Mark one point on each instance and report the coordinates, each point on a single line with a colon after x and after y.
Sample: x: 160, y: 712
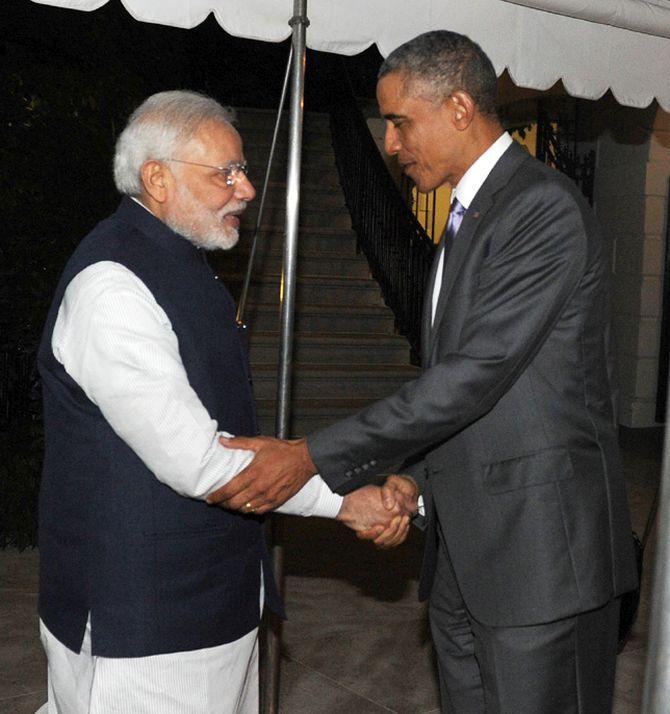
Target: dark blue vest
x: 158, y: 572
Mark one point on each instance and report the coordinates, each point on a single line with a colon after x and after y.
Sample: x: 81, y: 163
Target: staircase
x: 346, y: 353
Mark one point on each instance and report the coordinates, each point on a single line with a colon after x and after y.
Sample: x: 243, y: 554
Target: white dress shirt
x: 465, y: 191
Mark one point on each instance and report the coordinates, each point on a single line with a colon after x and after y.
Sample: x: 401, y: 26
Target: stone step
x: 328, y: 348
x: 366, y: 319
x: 257, y: 133
x: 257, y: 148
x: 334, y: 381
x: 307, y: 414
x: 264, y: 120
x: 323, y: 175
x: 318, y: 160
x: 312, y: 172
x: 275, y: 214
x: 231, y: 266
x: 314, y: 128
x: 317, y: 197
x: 269, y: 260
x: 314, y: 239
x: 315, y: 290
x: 257, y: 156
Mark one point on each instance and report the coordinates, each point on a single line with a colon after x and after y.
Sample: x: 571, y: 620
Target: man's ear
x: 156, y: 179
x: 463, y: 108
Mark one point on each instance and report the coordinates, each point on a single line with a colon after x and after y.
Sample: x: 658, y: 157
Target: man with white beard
x: 150, y: 598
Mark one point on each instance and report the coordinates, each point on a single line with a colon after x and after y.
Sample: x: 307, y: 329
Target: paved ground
x: 357, y: 640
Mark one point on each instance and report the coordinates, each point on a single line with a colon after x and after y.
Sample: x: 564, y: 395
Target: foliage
x: 56, y: 139
x: 58, y: 121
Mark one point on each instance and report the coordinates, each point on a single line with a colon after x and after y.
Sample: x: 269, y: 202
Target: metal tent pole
x: 657, y: 675
x: 299, y: 23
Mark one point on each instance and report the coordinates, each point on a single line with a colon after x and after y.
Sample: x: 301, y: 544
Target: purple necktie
x: 456, y: 213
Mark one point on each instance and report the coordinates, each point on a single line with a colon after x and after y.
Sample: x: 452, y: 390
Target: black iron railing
x: 558, y: 146
x: 398, y: 249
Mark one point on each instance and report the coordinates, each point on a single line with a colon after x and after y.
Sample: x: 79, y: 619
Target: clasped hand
x: 383, y: 514
x: 281, y: 468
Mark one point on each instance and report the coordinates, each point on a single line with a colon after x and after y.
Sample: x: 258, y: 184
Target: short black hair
x: 444, y: 61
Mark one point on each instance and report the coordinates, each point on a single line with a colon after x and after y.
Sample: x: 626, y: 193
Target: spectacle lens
x: 232, y: 173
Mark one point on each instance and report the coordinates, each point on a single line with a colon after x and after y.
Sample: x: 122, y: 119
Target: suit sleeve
x: 536, y: 260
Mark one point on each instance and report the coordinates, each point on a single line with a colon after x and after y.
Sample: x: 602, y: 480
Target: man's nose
x: 391, y: 142
x: 244, y: 189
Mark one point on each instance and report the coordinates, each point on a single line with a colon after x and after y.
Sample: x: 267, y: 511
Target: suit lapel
x: 457, y: 254
x: 428, y: 302
x: 482, y: 203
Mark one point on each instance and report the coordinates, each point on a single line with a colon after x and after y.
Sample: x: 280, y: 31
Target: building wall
x: 631, y: 185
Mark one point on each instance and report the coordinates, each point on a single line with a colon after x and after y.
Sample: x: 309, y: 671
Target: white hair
x: 161, y: 124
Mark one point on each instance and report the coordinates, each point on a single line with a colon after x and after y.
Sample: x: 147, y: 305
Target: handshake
x: 281, y: 468
x: 381, y: 514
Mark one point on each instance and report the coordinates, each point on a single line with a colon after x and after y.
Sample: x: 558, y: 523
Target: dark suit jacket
x: 513, y: 411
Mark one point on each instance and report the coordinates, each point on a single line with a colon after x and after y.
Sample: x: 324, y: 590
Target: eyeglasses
x: 232, y: 172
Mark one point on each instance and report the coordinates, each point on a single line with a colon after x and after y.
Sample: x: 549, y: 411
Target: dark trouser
x: 562, y: 667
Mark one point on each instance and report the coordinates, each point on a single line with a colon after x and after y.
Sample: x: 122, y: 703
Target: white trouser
x: 215, y: 680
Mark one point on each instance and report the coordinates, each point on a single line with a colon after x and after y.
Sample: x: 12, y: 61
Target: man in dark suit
x: 511, y: 423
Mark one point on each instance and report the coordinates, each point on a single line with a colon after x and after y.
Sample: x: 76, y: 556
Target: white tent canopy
x: 624, y: 46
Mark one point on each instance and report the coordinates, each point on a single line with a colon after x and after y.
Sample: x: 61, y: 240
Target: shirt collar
x: 472, y: 180
x: 139, y: 203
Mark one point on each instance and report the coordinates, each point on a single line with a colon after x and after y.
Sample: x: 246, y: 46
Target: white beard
x: 202, y: 226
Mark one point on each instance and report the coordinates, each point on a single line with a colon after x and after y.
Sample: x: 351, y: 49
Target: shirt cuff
x: 329, y: 504
x: 421, y: 507
x: 314, y: 499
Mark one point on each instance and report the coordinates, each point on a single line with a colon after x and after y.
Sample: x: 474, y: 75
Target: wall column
x: 631, y: 184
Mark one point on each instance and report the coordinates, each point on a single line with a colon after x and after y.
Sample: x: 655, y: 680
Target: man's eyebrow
x: 391, y: 115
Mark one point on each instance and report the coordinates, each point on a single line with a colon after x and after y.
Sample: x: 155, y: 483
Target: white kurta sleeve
x: 117, y: 344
